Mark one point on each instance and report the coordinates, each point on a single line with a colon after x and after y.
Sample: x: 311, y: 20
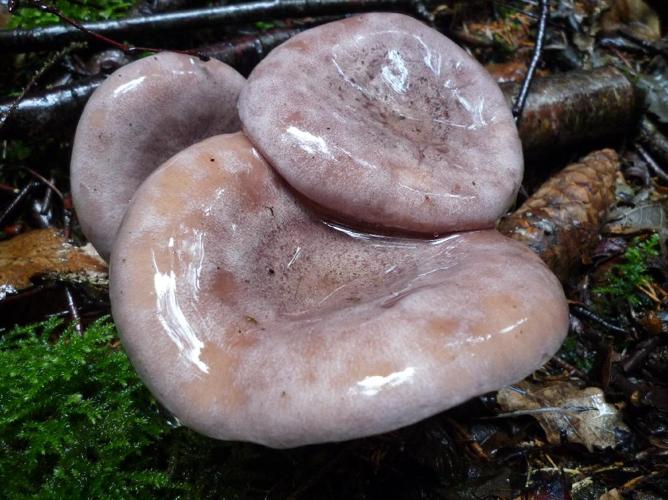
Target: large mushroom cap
x: 380, y: 119
x: 252, y: 319
x: 140, y: 116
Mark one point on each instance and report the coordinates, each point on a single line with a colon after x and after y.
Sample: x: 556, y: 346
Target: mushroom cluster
x: 302, y: 281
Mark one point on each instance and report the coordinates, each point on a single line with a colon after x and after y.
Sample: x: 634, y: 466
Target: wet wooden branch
x: 576, y: 107
x: 562, y: 219
x: 57, y: 36
x: 651, y: 137
x: 55, y: 111
x: 561, y: 110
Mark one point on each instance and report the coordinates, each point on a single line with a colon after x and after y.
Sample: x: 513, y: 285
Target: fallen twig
x: 562, y: 110
x: 640, y: 353
x: 44, y: 7
x: 583, y: 312
x: 48, y: 64
x: 50, y: 37
x: 654, y: 166
x: 52, y: 111
x: 16, y: 202
x: 74, y: 312
x: 56, y: 111
x: 518, y: 106
x: 653, y: 139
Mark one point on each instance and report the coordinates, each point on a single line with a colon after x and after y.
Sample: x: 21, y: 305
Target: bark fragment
x: 575, y: 108
x: 561, y: 220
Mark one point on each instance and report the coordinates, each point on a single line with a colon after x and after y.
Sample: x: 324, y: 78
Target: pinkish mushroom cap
x: 251, y: 318
x: 378, y: 118
x: 140, y: 116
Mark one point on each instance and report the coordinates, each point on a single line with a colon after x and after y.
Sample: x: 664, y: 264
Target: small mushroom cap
x: 381, y: 120
x: 252, y: 319
x: 140, y: 116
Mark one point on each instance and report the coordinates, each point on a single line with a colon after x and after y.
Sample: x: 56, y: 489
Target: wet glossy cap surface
x: 379, y: 119
x: 250, y: 318
x: 140, y: 116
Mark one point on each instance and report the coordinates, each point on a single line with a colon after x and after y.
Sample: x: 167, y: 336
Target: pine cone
x: 562, y: 219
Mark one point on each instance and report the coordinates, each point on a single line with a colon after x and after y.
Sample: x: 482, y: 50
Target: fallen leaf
x: 563, y: 409
x: 646, y: 216
x: 46, y: 252
x: 613, y: 494
x: 633, y: 16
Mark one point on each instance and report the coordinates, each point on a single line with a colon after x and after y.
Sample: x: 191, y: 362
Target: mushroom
x: 381, y: 120
x: 252, y: 318
x: 140, y: 116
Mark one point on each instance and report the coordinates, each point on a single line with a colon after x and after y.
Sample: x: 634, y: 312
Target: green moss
x: 16, y: 151
x: 81, y: 10
x: 574, y: 353
x: 263, y: 25
x: 622, y: 281
x: 75, y: 421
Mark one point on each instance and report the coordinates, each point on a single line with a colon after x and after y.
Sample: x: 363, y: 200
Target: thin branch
x: 648, y: 46
x: 521, y: 100
x: 47, y: 111
x: 583, y: 312
x: 653, y: 165
x: 58, y: 35
x: 642, y: 350
x: 46, y: 182
x: 16, y: 202
x: 74, y: 312
x: 57, y: 109
x: 52, y: 59
x: 563, y: 110
x: 40, y: 5
x: 653, y: 139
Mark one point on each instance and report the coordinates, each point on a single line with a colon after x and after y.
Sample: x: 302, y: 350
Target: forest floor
x: 75, y: 421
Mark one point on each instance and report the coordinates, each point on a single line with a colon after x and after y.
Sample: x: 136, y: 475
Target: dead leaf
x: 46, y: 252
x: 613, y: 494
x: 562, y: 409
x: 646, y: 216
x: 633, y: 16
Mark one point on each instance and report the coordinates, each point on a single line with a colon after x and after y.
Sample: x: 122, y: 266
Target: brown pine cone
x: 562, y: 219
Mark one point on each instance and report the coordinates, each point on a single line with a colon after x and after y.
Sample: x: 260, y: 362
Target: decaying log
x: 576, y: 107
x: 562, y: 110
x: 50, y: 37
x: 562, y: 219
